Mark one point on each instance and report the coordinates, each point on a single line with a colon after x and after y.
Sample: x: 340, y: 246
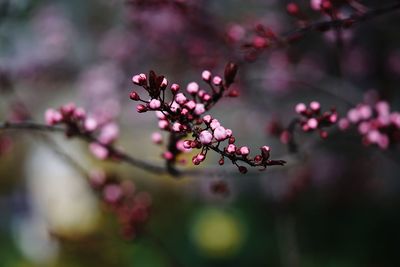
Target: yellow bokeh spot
x: 217, y: 233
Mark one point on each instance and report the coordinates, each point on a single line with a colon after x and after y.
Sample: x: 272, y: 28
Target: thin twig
x: 339, y: 23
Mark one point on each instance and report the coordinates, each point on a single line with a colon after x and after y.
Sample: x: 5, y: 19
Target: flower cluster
x: 311, y: 120
x: 77, y: 122
x: 131, y: 208
x: 184, y: 116
x: 376, y: 123
x: 341, y: 14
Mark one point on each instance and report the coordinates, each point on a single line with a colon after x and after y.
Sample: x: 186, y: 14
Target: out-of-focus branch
x: 32, y: 126
x: 342, y: 23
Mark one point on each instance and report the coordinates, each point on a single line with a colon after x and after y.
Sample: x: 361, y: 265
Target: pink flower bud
x: 163, y: 124
x: 312, y: 123
x: 192, y: 88
x: 168, y: 155
x: 90, y: 124
x: 300, y: 108
x: 199, y: 109
x: 244, y: 150
x: 134, y: 96
x: 180, y: 145
x: 155, y: 104
x: 187, y: 144
x: 207, y: 119
x: 197, y: 159
x: 316, y: 4
x: 382, y: 107
x: 112, y: 193
x: 98, y: 150
x: 79, y: 113
x: 184, y: 112
x: 228, y: 132
x: 214, y: 124
x: 315, y: 106
x: 164, y: 83
x: 177, y: 127
x: 220, y: 133
x: 174, y: 106
x: 67, y: 109
x: 141, y: 108
x: 364, y: 127
x: 160, y: 115
x: 52, y: 116
x: 190, y: 104
x: 265, y: 152
x: 383, y: 141
x: 180, y: 98
x: 217, y: 80
x: 175, y: 88
x: 206, y: 75
x: 365, y: 112
x: 205, y: 137
x: 139, y: 79
x: 156, y: 137
x: 201, y: 93
x: 108, y: 133
x: 395, y: 119
x: 135, y: 79
x: 344, y: 124
x: 231, y: 149
x: 333, y: 117
x: 353, y: 115
x: 206, y: 97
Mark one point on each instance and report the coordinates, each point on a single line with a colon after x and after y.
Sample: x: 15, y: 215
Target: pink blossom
x: 112, y: 193
x: 312, y: 123
x: 180, y: 145
x: 163, y: 124
x: 175, y: 88
x: 231, y: 148
x: 52, y: 116
x: 156, y: 137
x: 315, y: 106
x: 217, y: 80
x: 190, y: 104
x: 199, y: 109
x: 192, y: 88
x: 207, y: 119
x: 177, y: 127
x: 300, y: 108
x: 316, y: 4
x: 108, y: 133
x: 220, y: 133
x: 205, y: 137
x: 160, y: 115
x: 344, y: 124
x: 98, y: 150
x: 214, y: 124
x: 206, y: 75
x: 90, y: 124
x: 244, y: 150
x: 180, y: 98
x: 155, y: 104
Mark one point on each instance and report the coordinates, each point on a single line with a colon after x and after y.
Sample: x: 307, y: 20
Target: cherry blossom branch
x: 346, y: 22
x: 266, y: 38
x: 117, y: 154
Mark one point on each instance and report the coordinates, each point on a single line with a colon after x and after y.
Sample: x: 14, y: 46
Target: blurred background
x: 335, y: 204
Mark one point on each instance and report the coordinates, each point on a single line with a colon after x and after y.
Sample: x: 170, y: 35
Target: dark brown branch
x: 342, y: 23
x: 88, y: 138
